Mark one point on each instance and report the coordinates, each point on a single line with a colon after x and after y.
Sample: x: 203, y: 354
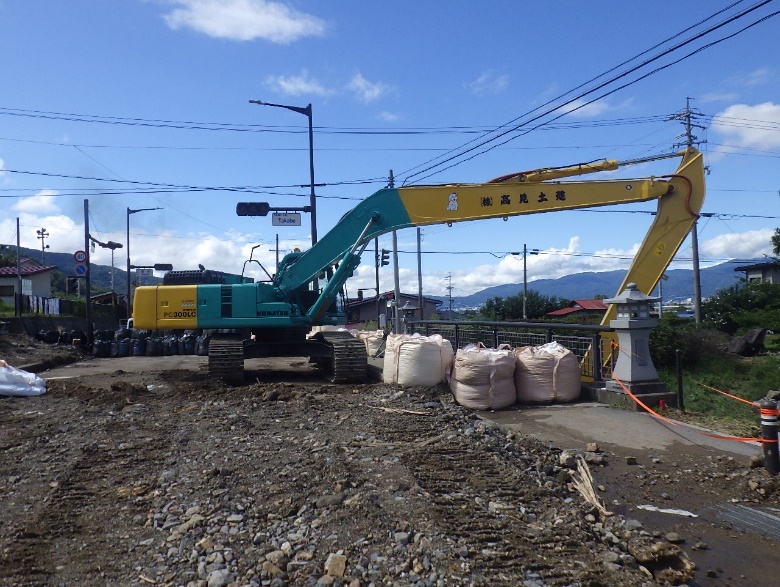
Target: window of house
x: 6, y: 291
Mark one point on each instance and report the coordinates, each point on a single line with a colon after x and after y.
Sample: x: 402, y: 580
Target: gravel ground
x: 168, y: 478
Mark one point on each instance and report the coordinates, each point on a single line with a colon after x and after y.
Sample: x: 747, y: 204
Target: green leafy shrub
x: 673, y: 333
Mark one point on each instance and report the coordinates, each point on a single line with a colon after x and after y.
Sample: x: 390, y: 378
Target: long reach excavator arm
x: 277, y: 315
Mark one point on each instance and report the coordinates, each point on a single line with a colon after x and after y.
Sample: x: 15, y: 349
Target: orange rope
x: 741, y: 399
x: 673, y: 423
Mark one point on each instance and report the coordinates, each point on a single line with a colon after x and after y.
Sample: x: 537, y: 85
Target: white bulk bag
x: 547, y: 374
x: 373, y: 341
x: 16, y: 382
x: 482, y: 378
x: 414, y: 360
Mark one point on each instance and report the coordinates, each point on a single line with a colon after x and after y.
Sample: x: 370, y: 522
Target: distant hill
x: 588, y: 285
x: 100, y: 276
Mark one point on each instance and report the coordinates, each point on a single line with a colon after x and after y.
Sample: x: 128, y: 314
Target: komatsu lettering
x: 273, y: 312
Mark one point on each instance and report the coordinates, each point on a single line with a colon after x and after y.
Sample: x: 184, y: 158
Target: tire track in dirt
x: 97, y: 482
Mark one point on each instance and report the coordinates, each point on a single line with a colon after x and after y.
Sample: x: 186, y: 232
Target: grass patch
x: 749, y: 378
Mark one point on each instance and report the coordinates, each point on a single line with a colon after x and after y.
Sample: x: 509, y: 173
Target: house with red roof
x: 35, y: 280
x: 581, y: 308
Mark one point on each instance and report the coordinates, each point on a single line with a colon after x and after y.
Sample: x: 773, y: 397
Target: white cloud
x: 297, y: 85
x: 366, y: 91
x: 749, y: 126
x: 754, y: 78
x: 489, y: 82
x: 44, y: 202
x: 389, y: 116
x: 579, y: 108
x: 744, y: 245
x: 244, y: 20
x: 717, y: 97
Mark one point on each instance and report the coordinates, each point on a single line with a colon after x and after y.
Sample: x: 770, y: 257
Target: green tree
x: 776, y: 242
x: 511, y: 308
x: 741, y: 307
x: 7, y: 260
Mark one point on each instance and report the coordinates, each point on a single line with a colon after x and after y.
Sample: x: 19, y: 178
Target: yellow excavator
x: 275, y: 317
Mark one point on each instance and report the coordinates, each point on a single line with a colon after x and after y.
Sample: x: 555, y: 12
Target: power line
x: 461, y: 152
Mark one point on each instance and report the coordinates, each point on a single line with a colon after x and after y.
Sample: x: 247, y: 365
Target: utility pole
x: 525, y: 281
x: 87, y: 278
x: 449, y: 294
x: 686, y: 116
x: 43, y: 235
x: 419, y: 275
x: 18, y: 297
x: 396, y: 282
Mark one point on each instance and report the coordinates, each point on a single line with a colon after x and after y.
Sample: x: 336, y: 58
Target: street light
x: 312, y: 198
x: 113, y: 246
x: 43, y: 235
x: 129, y: 299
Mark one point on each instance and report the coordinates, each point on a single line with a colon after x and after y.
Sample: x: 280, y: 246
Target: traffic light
x: 252, y: 208
x: 385, y: 257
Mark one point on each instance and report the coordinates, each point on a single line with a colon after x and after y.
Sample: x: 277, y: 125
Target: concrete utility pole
x: 18, y: 297
x: 42, y: 236
x: 396, y: 282
x: 686, y: 116
x: 420, y: 300
x: 449, y: 294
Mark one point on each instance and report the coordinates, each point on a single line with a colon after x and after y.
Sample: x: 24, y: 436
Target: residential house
x: 36, y: 280
x: 368, y: 309
x: 768, y: 272
x: 585, y: 310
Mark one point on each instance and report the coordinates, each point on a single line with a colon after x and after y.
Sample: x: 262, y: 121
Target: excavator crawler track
x: 350, y: 361
x: 226, y: 359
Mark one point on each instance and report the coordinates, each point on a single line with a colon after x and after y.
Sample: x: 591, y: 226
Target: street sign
x: 286, y: 219
x: 145, y: 272
x: 80, y: 256
x: 80, y: 269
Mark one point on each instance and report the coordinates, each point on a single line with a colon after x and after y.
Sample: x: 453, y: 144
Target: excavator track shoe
x: 226, y: 359
x: 350, y: 360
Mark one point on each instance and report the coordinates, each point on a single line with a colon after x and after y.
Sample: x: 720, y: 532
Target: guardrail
x: 584, y: 340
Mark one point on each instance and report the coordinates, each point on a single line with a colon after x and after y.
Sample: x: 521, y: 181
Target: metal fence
x: 43, y: 306
x: 584, y: 340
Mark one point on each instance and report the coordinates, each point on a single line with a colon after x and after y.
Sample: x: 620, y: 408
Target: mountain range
x: 586, y: 286
x: 577, y: 286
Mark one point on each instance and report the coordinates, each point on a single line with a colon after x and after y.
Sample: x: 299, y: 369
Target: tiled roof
x: 25, y: 270
x: 579, y: 306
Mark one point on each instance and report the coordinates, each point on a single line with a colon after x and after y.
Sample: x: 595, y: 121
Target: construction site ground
x: 142, y: 471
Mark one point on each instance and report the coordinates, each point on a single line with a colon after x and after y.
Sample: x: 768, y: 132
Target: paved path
x: 574, y: 425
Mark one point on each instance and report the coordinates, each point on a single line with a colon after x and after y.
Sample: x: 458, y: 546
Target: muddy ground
x: 163, y: 477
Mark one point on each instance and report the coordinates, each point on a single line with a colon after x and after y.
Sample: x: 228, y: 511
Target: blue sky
x: 127, y: 103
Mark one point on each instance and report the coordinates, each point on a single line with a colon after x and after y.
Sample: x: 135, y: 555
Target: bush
x: 739, y: 308
x: 673, y: 333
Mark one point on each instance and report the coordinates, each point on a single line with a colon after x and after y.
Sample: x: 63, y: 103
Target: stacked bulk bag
x: 482, y: 378
x: 546, y: 374
x: 414, y: 360
x: 373, y: 340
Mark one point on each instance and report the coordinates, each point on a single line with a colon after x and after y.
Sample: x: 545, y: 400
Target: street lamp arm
x: 300, y: 110
x: 129, y: 211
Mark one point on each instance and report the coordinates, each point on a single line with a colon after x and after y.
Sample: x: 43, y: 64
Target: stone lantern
x: 634, y: 366
x: 409, y: 310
